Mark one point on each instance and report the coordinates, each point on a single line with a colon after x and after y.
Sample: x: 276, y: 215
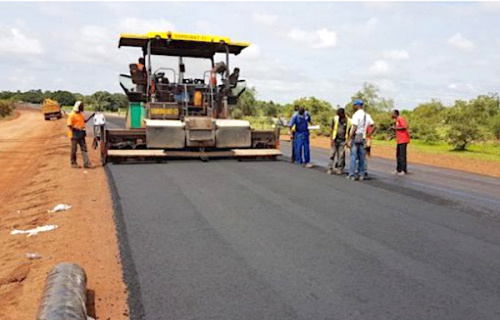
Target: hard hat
x: 358, y: 102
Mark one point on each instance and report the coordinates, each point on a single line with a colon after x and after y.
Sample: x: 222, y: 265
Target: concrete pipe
x: 65, y: 294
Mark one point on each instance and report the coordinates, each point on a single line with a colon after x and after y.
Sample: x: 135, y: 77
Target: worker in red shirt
x: 402, y: 140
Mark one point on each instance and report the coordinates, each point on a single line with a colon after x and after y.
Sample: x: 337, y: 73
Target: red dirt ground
x: 35, y: 175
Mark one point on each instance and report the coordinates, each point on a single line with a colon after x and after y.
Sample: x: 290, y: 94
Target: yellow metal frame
x: 184, y: 37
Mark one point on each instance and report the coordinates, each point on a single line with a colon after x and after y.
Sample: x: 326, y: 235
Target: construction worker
x: 356, y: 142
x: 370, y: 130
x: 76, y: 125
x: 233, y: 78
x: 141, y: 65
x: 340, y: 127
x: 402, y: 140
x: 301, y: 121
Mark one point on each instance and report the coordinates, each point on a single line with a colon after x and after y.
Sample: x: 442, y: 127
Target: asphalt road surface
x: 271, y: 240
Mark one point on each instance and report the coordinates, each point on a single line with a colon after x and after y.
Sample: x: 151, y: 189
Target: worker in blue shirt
x: 301, y: 121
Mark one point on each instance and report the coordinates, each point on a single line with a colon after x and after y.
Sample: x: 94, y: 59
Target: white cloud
x: 452, y: 86
x: 371, y: 23
x: 204, y: 26
x: 319, y: 39
x: 460, y: 42
x: 397, y: 55
x: 92, y: 45
x: 253, y: 52
x: 265, y: 18
x: 135, y: 25
x: 54, y: 9
x: 14, y: 41
x: 379, y: 67
x: 327, y: 39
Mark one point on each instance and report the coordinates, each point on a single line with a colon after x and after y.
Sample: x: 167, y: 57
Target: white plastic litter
x: 35, y: 231
x: 60, y: 207
x: 33, y: 255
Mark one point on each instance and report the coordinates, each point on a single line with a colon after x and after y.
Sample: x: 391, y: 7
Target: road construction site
x: 229, y: 239
x: 233, y: 230
x: 272, y: 240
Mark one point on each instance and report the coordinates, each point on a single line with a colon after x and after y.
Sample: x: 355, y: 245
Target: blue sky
x: 412, y: 51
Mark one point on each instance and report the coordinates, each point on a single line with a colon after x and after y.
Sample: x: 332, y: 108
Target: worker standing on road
x: 356, y: 142
x: 341, y: 124
x: 402, y: 140
x: 76, y: 124
x: 301, y: 120
x: 370, y: 130
x: 292, y: 134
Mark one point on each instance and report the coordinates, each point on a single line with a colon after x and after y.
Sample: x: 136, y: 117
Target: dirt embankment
x: 35, y: 175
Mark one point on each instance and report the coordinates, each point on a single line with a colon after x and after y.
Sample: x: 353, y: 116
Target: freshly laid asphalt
x: 271, y: 240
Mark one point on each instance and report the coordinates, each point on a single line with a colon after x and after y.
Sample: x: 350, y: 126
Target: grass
x: 489, y: 150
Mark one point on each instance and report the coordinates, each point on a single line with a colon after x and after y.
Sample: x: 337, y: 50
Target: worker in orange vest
x: 76, y: 125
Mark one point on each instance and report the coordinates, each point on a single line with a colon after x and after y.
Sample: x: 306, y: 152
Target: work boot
x: 75, y: 166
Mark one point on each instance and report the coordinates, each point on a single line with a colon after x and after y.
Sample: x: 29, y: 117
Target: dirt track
x: 35, y: 176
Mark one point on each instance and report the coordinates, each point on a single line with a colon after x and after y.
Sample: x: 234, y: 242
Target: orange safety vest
x: 76, y: 120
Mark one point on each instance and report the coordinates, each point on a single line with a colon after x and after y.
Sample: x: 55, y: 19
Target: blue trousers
x: 301, y: 146
x: 357, y: 159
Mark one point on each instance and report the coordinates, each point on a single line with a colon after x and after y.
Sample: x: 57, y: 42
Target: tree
x: 373, y: 103
x: 321, y: 112
x: 100, y: 100
x: 32, y: 96
x: 463, y: 126
x: 65, y: 98
x: 495, y: 126
x: 118, y: 101
x: 246, y: 105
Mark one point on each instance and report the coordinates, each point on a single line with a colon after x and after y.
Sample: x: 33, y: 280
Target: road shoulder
x: 36, y: 176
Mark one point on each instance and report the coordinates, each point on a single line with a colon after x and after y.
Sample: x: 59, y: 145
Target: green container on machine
x: 135, y: 116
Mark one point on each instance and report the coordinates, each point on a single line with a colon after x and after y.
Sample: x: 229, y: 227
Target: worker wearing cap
x: 356, y: 141
x: 301, y: 120
x: 76, y: 125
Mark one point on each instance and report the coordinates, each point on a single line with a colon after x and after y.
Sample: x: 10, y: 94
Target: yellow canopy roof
x: 182, y: 44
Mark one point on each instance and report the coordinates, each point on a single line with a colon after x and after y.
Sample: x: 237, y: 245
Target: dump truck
x: 171, y: 115
x: 51, y: 109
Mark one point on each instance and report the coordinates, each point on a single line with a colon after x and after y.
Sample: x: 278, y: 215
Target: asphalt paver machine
x: 172, y: 116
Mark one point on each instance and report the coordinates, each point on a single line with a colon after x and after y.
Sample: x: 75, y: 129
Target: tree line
x: 458, y: 124
x: 100, y: 100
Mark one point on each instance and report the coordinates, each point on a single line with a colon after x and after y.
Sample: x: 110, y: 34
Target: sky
x: 413, y: 52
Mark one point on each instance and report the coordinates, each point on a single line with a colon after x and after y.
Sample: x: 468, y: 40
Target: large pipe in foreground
x: 65, y: 294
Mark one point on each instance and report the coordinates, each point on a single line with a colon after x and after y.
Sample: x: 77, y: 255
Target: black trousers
x: 401, y: 157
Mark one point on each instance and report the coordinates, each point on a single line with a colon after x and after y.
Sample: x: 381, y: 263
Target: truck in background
x: 51, y: 109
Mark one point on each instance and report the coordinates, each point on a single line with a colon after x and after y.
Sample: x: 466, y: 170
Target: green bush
x: 495, y: 126
x: 6, y: 107
x: 460, y: 136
